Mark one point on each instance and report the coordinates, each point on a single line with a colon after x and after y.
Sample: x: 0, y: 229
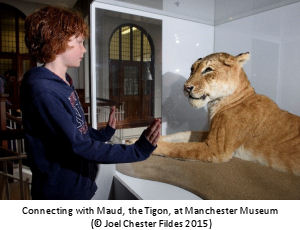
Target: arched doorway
x: 14, y: 56
x: 131, y: 74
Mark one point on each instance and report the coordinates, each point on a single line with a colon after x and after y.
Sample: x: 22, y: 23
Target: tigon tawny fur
x: 243, y: 124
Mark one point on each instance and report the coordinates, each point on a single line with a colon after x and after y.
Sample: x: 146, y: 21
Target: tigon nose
x: 188, y: 88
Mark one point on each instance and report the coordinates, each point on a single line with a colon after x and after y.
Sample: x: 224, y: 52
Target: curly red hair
x: 48, y: 30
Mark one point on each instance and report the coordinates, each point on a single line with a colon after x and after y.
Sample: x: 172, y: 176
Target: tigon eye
x: 208, y: 69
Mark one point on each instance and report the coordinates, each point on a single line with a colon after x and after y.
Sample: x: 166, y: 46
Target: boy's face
x: 74, y: 53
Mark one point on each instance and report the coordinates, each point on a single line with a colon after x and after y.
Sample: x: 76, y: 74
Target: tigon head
x: 214, y: 77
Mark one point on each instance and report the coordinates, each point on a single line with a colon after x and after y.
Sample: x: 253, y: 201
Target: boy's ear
x: 242, y: 58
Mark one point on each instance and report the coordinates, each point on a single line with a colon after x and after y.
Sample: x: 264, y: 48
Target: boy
x: 62, y: 149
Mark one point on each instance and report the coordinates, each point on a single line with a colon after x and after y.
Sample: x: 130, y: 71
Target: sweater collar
x: 57, y: 78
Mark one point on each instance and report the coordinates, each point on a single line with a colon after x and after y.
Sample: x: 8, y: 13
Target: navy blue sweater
x: 63, y: 151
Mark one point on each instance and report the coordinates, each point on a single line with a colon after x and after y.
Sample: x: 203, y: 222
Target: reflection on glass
x: 133, y: 41
x: 125, y: 81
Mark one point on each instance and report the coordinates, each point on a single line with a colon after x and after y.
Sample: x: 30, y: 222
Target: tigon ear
x: 242, y: 58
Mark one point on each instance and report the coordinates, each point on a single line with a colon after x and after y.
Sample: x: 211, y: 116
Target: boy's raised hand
x: 152, y: 133
x: 112, y: 121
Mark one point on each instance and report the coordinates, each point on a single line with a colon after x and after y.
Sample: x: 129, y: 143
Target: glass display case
x: 141, y: 55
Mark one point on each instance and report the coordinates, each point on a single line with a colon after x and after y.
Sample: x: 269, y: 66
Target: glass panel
x: 131, y: 80
x: 125, y: 43
x: 8, y: 34
x: 5, y: 65
x: 115, y: 79
x: 22, y: 47
x: 136, y: 37
x: 128, y: 90
x: 114, y: 46
x: 146, y: 49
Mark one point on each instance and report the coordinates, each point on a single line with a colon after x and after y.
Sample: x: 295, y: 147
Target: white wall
x: 201, y: 11
x: 273, y: 39
x: 228, y: 10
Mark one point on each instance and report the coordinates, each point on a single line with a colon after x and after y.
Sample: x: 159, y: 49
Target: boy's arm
x: 59, y: 122
x: 106, y: 133
x: 103, y: 135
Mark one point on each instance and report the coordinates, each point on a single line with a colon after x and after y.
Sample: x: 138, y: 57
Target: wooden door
x: 131, y: 91
x: 129, y: 86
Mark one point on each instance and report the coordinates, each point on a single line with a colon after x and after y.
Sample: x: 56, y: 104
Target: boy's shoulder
x: 36, y: 73
x: 40, y: 80
x: 41, y: 75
